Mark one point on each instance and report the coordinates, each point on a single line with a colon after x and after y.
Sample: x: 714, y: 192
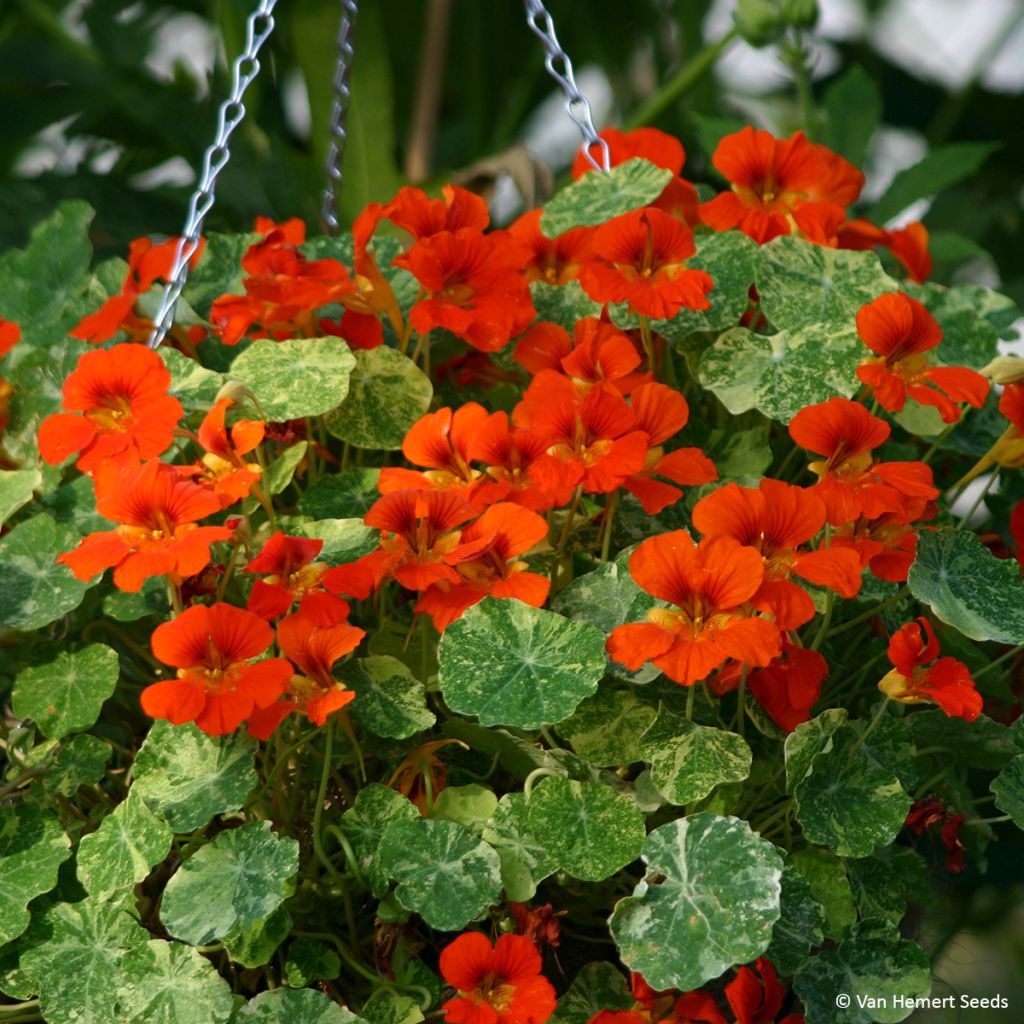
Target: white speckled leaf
x: 801, y: 284
x: 295, y: 378
x: 186, y: 777
x: 1008, y: 787
x: 525, y: 859
x: 66, y: 694
x: 192, y: 384
x: 563, y: 304
x: 806, y: 741
x: 870, y: 966
x: 511, y: 664
x: 780, y: 374
x: 345, y: 540
x: 387, y: 1006
x: 444, y: 873
x: 588, y: 828
x: 365, y: 823
x: 280, y: 472
x: 708, y: 901
x: 606, y: 728
x: 293, y: 1006
x: 130, y: 841
x: 847, y: 801
x: 598, y: 986
x: 801, y: 925
x: 596, y: 198
x: 389, y: 701
x: 387, y: 394
x: 16, y: 487
x: 688, y: 760
x: 32, y: 847
x: 34, y: 589
x: 242, y: 876
x: 826, y: 874
x: 78, y: 966
x: 168, y: 983
x: 967, y: 586
x: 471, y: 806
x: 254, y: 944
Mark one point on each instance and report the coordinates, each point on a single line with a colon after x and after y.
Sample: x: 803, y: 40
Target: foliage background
x: 114, y: 102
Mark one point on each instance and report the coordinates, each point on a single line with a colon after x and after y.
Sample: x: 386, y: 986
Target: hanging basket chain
x: 556, y: 60
x: 259, y: 26
x: 339, y: 113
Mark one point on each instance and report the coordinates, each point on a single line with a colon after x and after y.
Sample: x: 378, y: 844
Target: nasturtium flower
x: 118, y: 410
x: 223, y: 469
x: 499, y: 984
x: 710, y: 586
x: 551, y: 260
x: 473, y: 285
x: 289, y: 574
x: 10, y: 334
x: 755, y: 995
x: 497, y: 570
x: 900, y: 331
x: 778, y: 519
x: 929, y: 811
x: 640, y: 258
x: 780, y: 186
x: 158, y: 533
x: 218, y: 685
x: 913, y: 680
x: 790, y: 686
x: 851, y: 482
x: 414, y: 211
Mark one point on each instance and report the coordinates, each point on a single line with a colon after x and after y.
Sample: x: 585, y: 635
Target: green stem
x: 993, y: 664
x: 648, y: 341
x: 872, y: 726
x: 794, y: 56
x: 992, y: 821
x: 538, y: 773
x: 939, y: 442
x: 965, y: 518
x: 691, y: 693
x: 609, y: 521
x: 321, y: 795
x: 682, y: 81
x: 871, y: 612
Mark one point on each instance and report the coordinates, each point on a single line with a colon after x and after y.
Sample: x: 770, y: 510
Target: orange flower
x: 157, y: 511
x: 947, y: 683
x: 217, y: 685
x: 313, y: 643
x: 127, y: 413
x: 474, y: 287
x: 439, y: 441
x: 413, y: 211
x: 754, y: 999
x: 887, y: 543
x: 222, y: 468
x: 289, y: 573
x: 899, y: 330
x: 661, y: 413
x: 640, y: 258
x: 780, y: 186
x: 10, y: 334
x: 499, y: 984
x: 790, y: 686
x: 590, y: 441
x: 146, y: 263
x: 776, y: 520
x: 552, y: 260
x: 909, y: 245
x: 711, y: 586
x: 510, y: 530
x: 851, y: 482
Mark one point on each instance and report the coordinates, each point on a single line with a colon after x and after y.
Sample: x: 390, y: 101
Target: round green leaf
x: 802, y: 285
x: 168, y: 983
x: 848, y: 801
x: 34, y: 589
x: 80, y: 761
x: 598, y: 986
x: 192, y: 384
x: 344, y: 495
x: 688, y: 760
x: 967, y: 586
x: 596, y: 198
x: 79, y: 963
x: 870, y: 966
x: 187, y: 777
x: 800, y: 926
x: 471, y: 806
x: 365, y: 823
x: 310, y: 961
x: 525, y: 859
x: 294, y: 1006
x: 16, y: 487
x: 66, y: 694
x: 252, y: 945
x: 826, y: 875
x: 295, y: 378
x: 130, y: 841
x: 511, y: 664
x: 808, y: 740
x: 387, y: 394
x: 588, y: 828
x: 444, y: 873
x: 32, y: 847
x: 1008, y: 787
x: 563, y: 304
x: 389, y: 701
x: 606, y: 728
x: 345, y: 540
x: 280, y: 472
x: 708, y: 901
x: 242, y: 876
x: 780, y: 374
x: 386, y: 1006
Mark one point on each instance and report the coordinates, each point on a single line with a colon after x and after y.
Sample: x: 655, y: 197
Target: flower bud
x: 758, y: 21
x: 800, y: 13
x: 1005, y: 369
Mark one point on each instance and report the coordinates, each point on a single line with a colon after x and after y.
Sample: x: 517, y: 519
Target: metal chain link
x: 577, y: 106
x: 215, y: 159
x: 339, y: 114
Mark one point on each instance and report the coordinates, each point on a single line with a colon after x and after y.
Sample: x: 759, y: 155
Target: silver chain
x: 215, y: 159
x: 339, y: 113
x: 577, y: 106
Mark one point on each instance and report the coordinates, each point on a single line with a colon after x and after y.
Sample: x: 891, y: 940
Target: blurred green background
x: 114, y: 103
